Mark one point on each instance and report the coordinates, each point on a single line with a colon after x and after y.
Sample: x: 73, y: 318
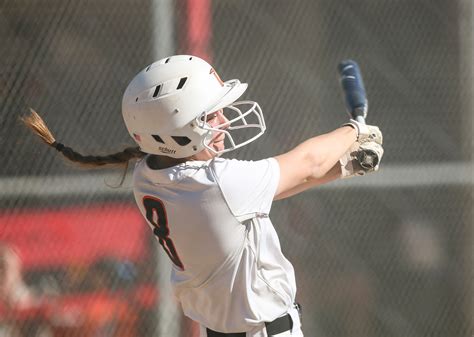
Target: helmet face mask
x: 251, y: 118
x: 166, y: 105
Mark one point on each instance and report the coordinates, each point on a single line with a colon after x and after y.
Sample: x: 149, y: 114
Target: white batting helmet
x: 165, y: 107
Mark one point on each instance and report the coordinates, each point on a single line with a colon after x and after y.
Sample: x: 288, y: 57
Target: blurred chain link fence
x: 383, y: 255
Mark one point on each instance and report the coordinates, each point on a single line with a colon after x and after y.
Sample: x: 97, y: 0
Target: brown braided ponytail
x: 38, y: 126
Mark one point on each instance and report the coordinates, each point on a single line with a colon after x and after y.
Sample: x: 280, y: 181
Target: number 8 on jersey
x: 156, y: 216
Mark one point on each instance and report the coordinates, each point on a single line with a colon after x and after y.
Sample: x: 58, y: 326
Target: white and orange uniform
x: 229, y: 273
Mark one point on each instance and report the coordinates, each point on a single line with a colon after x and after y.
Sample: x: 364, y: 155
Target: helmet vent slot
x: 157, y: 90
x: 158, y: 139
x: 181, y: 83
x: 181, y: 140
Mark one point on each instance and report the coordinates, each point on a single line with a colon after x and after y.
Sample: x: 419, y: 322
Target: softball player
x: 209, y: 214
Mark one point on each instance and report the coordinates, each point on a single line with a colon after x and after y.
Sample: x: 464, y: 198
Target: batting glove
x: 366, y: 133
x: 350, y: 165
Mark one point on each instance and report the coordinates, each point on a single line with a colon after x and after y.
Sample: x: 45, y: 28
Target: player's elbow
x: 315, y: 157
x: 321, y: 160
x: 316, y: 163
x: 301, y: 165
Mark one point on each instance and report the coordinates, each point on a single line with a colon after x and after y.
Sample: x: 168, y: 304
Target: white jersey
x: 212, y: 220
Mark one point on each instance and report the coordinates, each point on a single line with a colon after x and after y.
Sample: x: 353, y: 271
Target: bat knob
x: 368, y: 159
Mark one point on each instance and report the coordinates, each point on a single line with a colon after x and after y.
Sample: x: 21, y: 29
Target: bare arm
x: 333, y: 174
x: 313, y: 162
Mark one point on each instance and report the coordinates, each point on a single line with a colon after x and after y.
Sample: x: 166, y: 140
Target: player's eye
x: 210, y: 117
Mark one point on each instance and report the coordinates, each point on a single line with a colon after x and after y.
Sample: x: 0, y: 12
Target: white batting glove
x: 366, y: 132
x: 350, y: 165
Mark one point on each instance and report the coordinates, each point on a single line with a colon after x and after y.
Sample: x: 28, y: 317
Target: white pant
x: 261, y: 331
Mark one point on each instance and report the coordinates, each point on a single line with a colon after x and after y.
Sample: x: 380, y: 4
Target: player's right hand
x: 366, y: 133
x: 350, y: 165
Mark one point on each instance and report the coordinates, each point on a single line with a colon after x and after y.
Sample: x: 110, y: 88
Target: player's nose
x: 223, y: 120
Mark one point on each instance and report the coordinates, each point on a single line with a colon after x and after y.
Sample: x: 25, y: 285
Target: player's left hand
x: 350, y: 165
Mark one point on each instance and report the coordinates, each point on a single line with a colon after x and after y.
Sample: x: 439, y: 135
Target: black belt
x: 275, y: 327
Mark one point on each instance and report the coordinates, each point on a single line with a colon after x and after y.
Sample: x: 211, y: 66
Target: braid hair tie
x: 58, y: 146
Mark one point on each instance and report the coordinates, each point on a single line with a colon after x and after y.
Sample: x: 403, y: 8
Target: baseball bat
x: 356, y: 104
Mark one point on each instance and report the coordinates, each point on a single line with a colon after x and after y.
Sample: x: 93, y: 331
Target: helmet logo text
x: 166, y: 150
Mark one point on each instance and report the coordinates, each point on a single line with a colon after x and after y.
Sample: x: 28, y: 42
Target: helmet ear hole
x: 181, y: 140
x: 158, y: 139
